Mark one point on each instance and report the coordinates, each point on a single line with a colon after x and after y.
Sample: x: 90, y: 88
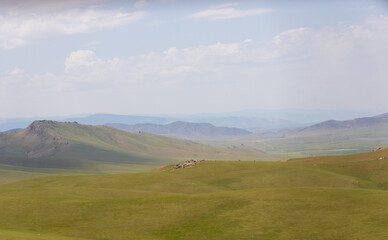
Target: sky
x: 184, y: 57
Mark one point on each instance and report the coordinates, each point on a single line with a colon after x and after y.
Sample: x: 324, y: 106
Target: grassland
x: 314, y: 198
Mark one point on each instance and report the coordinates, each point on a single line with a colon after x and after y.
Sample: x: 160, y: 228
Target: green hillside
x: 67, y: 148
x: 312, y: 199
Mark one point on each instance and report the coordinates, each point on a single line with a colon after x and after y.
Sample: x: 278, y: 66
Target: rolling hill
x: 309, y: 199
x: 59, y: 145
x: 186, y: 130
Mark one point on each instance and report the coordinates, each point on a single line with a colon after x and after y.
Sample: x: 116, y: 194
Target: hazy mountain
x: 249, y: 123
x: 292, y: 116
x: 181, y: 129
x: 14, y: 130
x: 327, y: 127
x: 50, y: 144
x: 100, y: 119
x: 354, y: 123
x: 10, y: 124
x: 250, y: 120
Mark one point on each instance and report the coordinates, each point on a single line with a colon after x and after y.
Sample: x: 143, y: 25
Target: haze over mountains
x: 71, y: 145
x: 184, y: 130
x: 251, y: 120
x: 328, y: 126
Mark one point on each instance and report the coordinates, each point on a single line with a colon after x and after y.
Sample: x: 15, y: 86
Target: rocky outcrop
x: 189, y: 163
x: 42, y: 139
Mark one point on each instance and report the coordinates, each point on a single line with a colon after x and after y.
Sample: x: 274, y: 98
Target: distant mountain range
x: 251, y: 120
x: 328, y: 127
x: 247, y: 123
x: 101, y: 119
x: 182, y: 129
x: 14, y: 130
x: 71, y: 145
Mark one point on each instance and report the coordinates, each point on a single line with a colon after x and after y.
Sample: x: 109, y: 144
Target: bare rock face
x: 189, y: 163
x: 43, y: 139
x: 39, y: 129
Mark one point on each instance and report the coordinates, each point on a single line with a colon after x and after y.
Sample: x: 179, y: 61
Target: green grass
x: 309, y: 199
x: 12, y: 173
x: 8, y: 176
x: 25, y: 235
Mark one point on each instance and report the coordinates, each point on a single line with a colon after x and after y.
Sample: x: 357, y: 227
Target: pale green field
x: 317, y: 143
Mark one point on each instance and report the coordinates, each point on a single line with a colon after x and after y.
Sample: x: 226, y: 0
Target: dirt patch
x: 161, y: 168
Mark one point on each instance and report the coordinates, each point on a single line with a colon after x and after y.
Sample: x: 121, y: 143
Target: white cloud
x: 81, y: 59
x: 15, y: 72
x: 338, y: 67
x: 20, y: 29
x: 226, y: 11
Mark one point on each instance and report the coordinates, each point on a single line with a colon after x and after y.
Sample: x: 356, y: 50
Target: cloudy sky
x: 177, y: 57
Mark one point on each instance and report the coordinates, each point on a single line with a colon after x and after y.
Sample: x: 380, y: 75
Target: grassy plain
x: 314, y: 198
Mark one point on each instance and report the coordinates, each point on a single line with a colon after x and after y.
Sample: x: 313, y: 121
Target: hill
x: 212, y: 200
x: 49, y: 144
x: 186, y: 130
